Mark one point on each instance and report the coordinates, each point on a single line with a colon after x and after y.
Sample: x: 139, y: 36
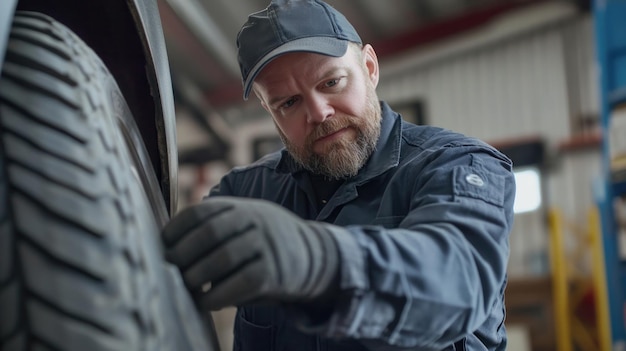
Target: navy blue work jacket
x: 425, y: 266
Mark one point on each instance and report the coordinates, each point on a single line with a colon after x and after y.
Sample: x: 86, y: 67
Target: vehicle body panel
x: 7, y: 8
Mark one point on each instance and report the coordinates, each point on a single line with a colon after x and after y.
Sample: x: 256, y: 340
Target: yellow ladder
x: 570, y: 284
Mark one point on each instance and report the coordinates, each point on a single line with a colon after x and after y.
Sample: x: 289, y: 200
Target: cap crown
x: 284, y: 26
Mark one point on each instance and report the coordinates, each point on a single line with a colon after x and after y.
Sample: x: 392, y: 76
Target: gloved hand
x: 250, y: 250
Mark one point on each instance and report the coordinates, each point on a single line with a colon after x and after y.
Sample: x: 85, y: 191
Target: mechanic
x: 365, y: 232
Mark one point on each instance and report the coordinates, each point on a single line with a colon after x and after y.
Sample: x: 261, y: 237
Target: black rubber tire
x: 80, y: 261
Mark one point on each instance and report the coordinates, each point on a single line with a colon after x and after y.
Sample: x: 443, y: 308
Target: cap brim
x: 320, y: 45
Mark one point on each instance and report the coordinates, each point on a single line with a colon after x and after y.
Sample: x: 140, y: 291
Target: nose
x: 318, y: 109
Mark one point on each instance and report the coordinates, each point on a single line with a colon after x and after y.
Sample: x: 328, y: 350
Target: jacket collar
x: 385, y: 156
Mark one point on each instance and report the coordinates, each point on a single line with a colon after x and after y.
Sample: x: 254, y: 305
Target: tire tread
x: 75, y: 233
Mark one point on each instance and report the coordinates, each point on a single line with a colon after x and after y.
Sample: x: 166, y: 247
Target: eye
x: 288, y: 103
x: 331, y: 83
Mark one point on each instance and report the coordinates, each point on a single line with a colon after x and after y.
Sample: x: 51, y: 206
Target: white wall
x: 504, y: 81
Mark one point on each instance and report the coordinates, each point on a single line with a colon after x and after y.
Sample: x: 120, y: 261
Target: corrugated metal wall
x: 506, y: 90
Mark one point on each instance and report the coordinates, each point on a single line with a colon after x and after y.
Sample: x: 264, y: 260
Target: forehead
x: 302, y: 64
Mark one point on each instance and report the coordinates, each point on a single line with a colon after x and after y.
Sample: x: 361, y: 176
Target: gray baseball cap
x: 291, y: 26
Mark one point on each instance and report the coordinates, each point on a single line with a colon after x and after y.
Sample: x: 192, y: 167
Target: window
x: 528, y: 193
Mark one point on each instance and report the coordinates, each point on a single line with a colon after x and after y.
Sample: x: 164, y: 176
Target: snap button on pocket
x: 476, y: 184
x: 475, y: 179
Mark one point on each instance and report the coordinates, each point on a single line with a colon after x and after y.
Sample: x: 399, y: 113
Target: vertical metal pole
x: 599, y: 282
x: 560, y: 290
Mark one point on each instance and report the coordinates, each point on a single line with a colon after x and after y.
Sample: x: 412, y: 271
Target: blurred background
x: 523, y: 75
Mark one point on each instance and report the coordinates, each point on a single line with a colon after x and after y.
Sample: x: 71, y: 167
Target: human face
x: 325, y: 108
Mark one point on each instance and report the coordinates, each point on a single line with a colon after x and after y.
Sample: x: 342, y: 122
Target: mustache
x: 328, y: 127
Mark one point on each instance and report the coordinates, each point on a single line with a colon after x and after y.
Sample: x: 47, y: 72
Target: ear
x: 370, y: 61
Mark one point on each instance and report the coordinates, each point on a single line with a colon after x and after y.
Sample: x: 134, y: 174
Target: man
x: 366, y: 232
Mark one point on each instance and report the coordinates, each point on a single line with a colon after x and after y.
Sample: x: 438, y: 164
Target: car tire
x: 81, y: 264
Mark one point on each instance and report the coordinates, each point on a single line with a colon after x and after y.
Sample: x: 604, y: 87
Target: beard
x: 343, y: 158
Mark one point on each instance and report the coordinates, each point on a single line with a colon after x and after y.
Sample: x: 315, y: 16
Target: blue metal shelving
x: 610, y: 35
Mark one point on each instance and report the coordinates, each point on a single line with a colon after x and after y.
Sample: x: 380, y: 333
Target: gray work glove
x: 250, y: 250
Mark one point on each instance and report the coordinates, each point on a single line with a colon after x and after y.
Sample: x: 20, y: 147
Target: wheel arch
x: 128, y: 37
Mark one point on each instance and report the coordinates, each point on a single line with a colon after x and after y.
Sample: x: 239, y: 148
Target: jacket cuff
x: 344, y: 305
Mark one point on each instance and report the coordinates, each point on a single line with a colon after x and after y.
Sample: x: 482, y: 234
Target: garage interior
x: 527, y: 76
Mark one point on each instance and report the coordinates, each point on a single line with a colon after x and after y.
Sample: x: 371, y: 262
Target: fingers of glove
x: 211, y: 231
x: 189, y: 219
x: 247, y: 284
x: 230, y: 255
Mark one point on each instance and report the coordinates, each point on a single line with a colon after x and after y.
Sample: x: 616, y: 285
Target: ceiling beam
x: 444, y: 29
x: 207, y: 32
x: 182, y: 40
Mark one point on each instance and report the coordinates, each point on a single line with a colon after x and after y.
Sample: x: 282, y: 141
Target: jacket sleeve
x: 436, y: 277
